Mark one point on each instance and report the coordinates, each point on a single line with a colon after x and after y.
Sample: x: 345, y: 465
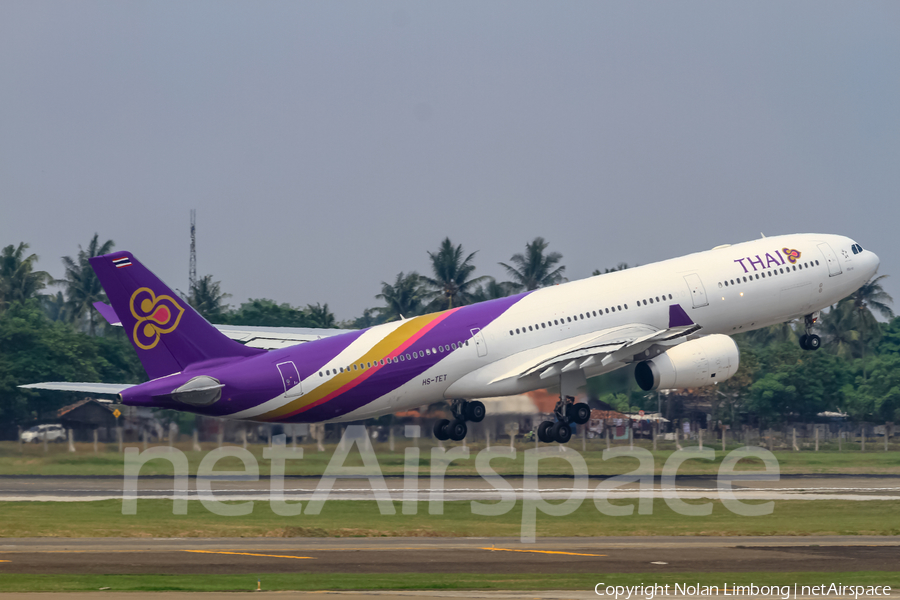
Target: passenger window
x: 657, y: 298
x: 607, y: 311
x: 670, y: 296
x: 595, y: 313
x: 726, y: 285
x: 517, y: 330
x: 543, y: 325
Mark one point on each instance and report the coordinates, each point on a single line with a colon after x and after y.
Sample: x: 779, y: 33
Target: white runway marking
x: 482, y: 494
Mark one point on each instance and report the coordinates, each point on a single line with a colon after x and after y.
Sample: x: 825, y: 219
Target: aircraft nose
x: 875, y: 262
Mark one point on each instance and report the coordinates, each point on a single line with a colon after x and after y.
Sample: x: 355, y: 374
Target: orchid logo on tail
x: 155, y: 315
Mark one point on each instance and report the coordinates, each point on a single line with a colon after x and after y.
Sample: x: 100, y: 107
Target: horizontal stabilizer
x: 108, y: 313
x: 77, y: 386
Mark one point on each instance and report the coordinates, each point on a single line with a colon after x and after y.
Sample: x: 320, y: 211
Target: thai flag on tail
x: 122, y: 262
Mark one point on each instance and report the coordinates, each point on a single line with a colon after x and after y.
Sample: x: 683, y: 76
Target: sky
x: 327, y: 146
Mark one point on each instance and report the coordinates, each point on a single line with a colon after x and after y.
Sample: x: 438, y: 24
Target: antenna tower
x: 192, y: 272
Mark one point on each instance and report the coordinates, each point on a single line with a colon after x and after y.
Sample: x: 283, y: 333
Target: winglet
x: 677, y: 316
x: 108, y: 313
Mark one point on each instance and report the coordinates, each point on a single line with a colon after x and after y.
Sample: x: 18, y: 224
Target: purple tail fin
x: 166, y: 332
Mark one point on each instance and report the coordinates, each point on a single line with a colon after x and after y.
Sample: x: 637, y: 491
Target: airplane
x: 673, y: 318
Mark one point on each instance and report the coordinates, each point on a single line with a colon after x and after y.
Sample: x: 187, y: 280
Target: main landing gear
x: 809, y: 340
x: 567, y: 412
x: 463, y: 410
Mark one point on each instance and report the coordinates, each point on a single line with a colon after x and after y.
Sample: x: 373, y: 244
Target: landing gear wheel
x: 580, y: 413
x: 457, y: 430
x: 803, y: 339
x: 440, y: 430
x: 813, y: 342
x: 475, y: 411
x: 543, y: 432
x: 562, y: 432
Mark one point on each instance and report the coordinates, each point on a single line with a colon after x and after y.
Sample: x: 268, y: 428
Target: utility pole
x: 192, y: 270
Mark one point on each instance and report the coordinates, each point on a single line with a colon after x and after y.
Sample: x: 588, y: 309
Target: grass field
x: 418, y: 581
x: 32, y: 460
x: 154, y: 518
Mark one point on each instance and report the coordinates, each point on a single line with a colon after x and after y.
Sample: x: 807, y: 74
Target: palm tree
x: 773, y: 334
x: 319, y: 316
x: 207, y: 299
x: 55, y: 306
x: 618, y: 267
x: 451, y: 284
x: 838, y: 326
x: 493, y: 289
x: 868, y: 298
x: 534, y: 269
x: 403, y: 298
x: 81, y: 283
x: 18, y: 279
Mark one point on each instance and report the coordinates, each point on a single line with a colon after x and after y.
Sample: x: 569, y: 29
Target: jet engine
x: 700, y: 362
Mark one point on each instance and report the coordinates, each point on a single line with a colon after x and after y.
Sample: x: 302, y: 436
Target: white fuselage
x: 726, y: 290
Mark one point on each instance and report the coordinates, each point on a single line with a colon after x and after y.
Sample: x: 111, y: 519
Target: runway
x: 469, y: 555
x: 787, y: 487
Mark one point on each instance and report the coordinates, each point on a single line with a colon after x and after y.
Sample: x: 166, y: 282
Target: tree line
x: 47, y: 336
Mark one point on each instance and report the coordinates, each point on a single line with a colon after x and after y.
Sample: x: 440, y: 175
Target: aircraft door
x: 698, y: 292
x: 291, y: 379
x: 478, y: 338
x: 834, y: 267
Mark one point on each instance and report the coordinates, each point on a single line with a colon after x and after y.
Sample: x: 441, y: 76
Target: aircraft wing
x: 609, y: 346
x: 267, y: 338
x: 75, y: 386
x: 272, y: 338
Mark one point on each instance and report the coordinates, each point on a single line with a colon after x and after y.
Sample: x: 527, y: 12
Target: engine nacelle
x: 700, y: 362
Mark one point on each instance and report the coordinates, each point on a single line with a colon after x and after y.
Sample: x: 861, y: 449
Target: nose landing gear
x: 809, y: 340
x: 463, y: 410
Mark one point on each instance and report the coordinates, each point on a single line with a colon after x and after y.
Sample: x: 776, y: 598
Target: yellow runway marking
x: 247, y: 554
x: 540, y: 552
x: 5, y: 561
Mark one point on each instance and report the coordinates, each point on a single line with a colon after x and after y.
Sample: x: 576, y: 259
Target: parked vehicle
x: 39, y: 433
